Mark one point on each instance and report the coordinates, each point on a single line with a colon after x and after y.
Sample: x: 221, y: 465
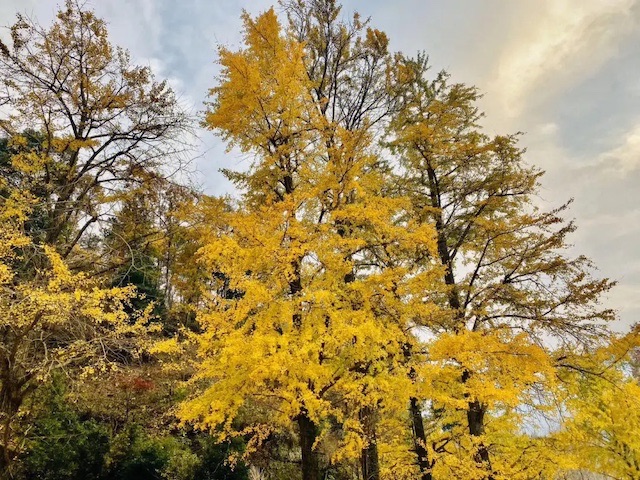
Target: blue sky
x: 565, y: 72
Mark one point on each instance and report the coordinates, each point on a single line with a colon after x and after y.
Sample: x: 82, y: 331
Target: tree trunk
x: 420, y: 441
x: 475, y: 420
x: 308, y: 435
x: 6, y: 454
x: 10, y: 400
x: 308, y: 429
x: 369, y: 460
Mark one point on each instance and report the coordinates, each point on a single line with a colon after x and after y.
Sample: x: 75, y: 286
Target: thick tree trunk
x: 307, y: 428
x: 308, y: 434
x: 420, y: 441
x: 10, y: 400
x: 5, y: 453
x: 475, y: 421
x: 369, y: 460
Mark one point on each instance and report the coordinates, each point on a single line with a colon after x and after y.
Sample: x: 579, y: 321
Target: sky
x: 566, y: 73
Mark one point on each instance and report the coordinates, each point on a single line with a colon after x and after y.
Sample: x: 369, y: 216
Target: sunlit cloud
x: 626, y: 156
x: 564, y: 41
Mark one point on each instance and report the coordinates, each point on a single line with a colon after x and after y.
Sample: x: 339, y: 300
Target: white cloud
x: 626, y: 156
x: 549, y: 128
x: 135, y: 25
x: 565, y: 41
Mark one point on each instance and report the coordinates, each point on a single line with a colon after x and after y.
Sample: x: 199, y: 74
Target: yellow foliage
x: 53, y: 318
x: 505, y: 367
x: 600, y: 433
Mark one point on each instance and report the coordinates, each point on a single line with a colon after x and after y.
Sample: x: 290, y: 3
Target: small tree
x: 53, y: 320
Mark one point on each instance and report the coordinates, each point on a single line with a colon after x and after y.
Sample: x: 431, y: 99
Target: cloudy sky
x: 565, y: 72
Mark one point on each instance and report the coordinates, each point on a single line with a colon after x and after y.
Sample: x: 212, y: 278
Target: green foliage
x: 64, y: 444
x: 61, y: 446
x: 132, y: 247
x: 214, y: 463
x: 135, y: 455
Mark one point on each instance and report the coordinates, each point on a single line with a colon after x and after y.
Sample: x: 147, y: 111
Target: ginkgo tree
x: 353, y: 81
x: 317, y: 284
x: 513, y: 291
x: 354, y: 86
